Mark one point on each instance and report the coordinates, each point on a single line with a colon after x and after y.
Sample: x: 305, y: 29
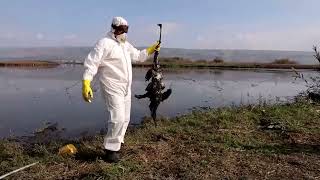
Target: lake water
x: 32, y: 97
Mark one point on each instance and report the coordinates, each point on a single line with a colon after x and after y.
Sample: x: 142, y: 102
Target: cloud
x: 167, y: 28
x: 7, y: 36
x: 10, y: 35
x: 282, y: 39
x: 258, y: 38
x: 143, y: 34
x: 180, y: 35
x: 199, y: 38
x: 40, y: 36
x: 171, y: 27
x: 70, y: 36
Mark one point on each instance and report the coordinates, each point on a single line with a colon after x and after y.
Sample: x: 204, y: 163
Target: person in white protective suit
x: 111, y: 58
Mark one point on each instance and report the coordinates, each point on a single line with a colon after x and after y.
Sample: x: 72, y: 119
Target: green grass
x: 205, y: 144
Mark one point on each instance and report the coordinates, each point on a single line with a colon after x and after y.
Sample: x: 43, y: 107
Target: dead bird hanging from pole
x: 156, y: 86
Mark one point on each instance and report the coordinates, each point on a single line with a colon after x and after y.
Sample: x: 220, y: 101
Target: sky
x: 193, y: 24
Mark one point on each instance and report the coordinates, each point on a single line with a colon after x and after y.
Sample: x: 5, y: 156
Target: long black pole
x: 156, y: 54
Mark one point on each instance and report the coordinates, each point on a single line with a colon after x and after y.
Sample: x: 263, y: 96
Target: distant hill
x: 79, y: 53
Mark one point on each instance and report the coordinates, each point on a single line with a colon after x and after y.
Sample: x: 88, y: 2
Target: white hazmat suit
x: 112, y: 59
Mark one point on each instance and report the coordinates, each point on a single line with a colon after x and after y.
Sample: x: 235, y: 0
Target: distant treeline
x: 178, y: 62
x: 29, y: 63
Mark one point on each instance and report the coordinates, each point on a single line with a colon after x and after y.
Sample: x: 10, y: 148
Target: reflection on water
x: 30, y: 98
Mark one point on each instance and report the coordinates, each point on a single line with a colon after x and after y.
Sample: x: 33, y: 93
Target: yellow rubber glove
x: 87, y: 91
x: 153, y: 48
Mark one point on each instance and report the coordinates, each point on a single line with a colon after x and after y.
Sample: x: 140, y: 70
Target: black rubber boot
x: 111, y: 156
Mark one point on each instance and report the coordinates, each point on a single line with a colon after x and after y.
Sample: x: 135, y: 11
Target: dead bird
x: 156, y: 86
x: 154, y: 90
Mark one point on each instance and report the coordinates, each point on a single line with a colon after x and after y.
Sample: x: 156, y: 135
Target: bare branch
x: 317, y: 55
x: 298, y: 75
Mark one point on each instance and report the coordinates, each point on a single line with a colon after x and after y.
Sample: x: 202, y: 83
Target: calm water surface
x: 30, y: 98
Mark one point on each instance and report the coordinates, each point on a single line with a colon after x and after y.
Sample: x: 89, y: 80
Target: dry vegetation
x: 284, y: 61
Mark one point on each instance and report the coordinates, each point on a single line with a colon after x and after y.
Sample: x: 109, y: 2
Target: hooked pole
x: 156, y: 54
x: 160, y: 25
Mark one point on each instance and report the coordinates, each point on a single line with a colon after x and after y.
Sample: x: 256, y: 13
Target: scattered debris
x: 68, y: 150
x: 267, y: 124
x: 17, y: 170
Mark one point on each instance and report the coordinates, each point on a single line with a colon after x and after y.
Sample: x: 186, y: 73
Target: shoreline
x: 234, y: 66
x: 173, y: 65
x: 29, y: 63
